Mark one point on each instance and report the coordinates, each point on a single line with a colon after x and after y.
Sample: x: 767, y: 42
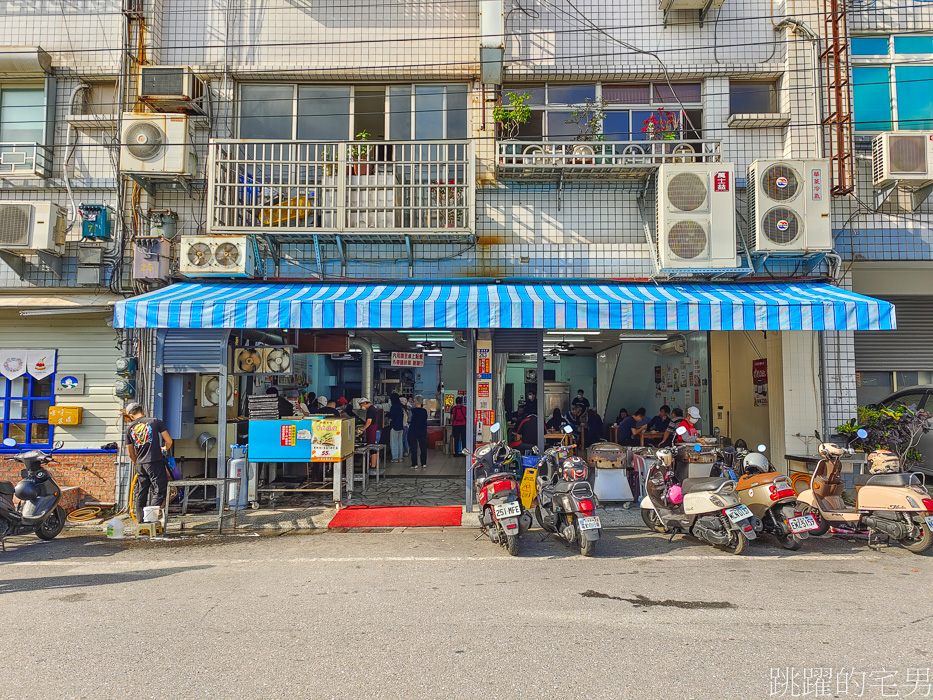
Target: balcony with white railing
x: 544, y: 160
x: 25, y: 160
x: 380, y: 190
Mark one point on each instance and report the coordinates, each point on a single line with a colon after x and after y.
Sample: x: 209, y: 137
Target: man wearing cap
x: 689, y: 423
x: 147, y: 441
x: 325, y: 407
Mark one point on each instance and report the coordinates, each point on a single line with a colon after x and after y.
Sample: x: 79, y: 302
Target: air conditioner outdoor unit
x: 673, y: 347
x: 669, y: 5
x: 209, y: 391
x: 171, y: 89
x: 788, y: 206
x: 696, y: 216
x: 217, y: 256
x: 32, y: 227
x: 158, y: 145
x: 903, y: 157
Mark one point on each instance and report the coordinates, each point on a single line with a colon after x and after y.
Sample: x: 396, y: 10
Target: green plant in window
x: 512, y: 115
x: 588, y: 118
x: 358, y: 153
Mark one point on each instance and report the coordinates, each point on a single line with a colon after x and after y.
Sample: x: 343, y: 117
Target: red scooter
x: 502, y: 517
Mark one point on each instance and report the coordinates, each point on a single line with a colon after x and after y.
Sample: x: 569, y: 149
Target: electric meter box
x: 162, y: 226
x: 95, y: 222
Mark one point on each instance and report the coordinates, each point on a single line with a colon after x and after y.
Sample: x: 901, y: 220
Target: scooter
x: 565, y: 501
x: 706, y: 507
x: 894, y: 504
x: 39, y: 496
x: 768, y: 494
x: 502, y: 517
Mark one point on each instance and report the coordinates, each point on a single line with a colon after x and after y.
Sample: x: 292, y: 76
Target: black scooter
x: 39, y: 496
x: 565, y: 501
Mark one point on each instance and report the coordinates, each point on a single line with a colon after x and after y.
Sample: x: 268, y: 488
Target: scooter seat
x: 706, y: 483
x: 6, y: 488
x: 898, y: 479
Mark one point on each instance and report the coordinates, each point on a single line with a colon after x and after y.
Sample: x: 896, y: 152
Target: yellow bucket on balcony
x: 294, y: 211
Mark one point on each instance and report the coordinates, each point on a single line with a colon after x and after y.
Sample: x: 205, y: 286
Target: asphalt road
x: 435, y: 614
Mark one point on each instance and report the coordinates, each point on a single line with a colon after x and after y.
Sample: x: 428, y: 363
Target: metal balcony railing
x: 314, y: 187
x: 25, y: 160
x: 597, y: 159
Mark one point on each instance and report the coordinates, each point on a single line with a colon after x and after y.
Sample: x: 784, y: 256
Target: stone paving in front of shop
x: 315, y: 512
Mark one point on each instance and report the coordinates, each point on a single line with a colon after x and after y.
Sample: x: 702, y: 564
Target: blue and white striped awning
x: 683, y: 307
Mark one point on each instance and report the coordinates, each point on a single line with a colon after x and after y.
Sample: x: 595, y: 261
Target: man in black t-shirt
x: 147, y: 441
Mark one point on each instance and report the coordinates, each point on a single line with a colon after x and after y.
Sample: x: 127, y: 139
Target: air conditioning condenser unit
x: 32, y: 227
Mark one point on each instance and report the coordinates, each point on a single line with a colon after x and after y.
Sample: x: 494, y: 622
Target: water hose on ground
x: 81, y: 515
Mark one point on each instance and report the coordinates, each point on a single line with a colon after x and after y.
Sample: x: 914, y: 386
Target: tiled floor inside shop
x: 439, y: 464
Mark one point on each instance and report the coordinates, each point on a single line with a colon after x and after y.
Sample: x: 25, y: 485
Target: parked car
x: 921, y: 398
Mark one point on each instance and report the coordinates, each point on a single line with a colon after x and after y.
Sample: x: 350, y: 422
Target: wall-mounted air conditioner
x: 217, y: 256
x: 672, y: 347
x: 158, y: 145
x: 904, y: 157
x: 788, y: 206
x: 29, y: 227
x: 696, y: 216
x: 171, y: 89
x: 699, y: 5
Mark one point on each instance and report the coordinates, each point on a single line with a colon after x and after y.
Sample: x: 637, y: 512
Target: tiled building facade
x: 375, y: 56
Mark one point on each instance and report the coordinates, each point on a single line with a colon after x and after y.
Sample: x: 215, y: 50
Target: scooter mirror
x: 568, y: 429
x: 861, y: 432
x: 9, y: 442
x: 697, y: 448
x: 681, y: 431
x: 494, y: 428
x: 762, y: 447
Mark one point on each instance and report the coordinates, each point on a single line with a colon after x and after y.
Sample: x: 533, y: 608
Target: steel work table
x: 185, y: 484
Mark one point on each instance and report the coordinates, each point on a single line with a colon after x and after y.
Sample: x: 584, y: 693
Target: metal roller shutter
x: 194, y: 350
x: 909, y: 348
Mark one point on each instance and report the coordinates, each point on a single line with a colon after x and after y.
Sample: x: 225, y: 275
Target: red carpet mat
x: 397, y: 516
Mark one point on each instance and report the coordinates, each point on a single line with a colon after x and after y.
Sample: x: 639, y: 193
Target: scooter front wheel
x: 52, y: 525
x: 652, y: 520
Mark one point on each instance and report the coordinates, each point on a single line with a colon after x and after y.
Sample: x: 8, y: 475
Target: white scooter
x: 707, y: 508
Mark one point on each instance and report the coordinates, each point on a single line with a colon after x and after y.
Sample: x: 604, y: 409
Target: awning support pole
x: 471, y: 415
x: 539, y: 390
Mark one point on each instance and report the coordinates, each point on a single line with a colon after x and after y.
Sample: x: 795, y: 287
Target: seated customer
x: 660, y: 422
x: 527, y: 433
x: 555, y: 422
x: 677, y: 416
x: 632, y: 427
x: 594, y: 428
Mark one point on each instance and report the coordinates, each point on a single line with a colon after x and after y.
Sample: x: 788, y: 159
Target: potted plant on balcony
x: 447, y: 201
x: 588, y: 118
x: 510, y: 117
x: 361, y: 155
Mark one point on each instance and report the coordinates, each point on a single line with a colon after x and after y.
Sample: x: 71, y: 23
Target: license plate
x: 802, y: 524
x: 929, y: 519
x: 589, y: 523
x: 739, y: 513
x: 508, y: 510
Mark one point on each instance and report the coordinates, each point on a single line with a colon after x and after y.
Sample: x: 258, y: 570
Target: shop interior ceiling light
x: 573, y: 332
